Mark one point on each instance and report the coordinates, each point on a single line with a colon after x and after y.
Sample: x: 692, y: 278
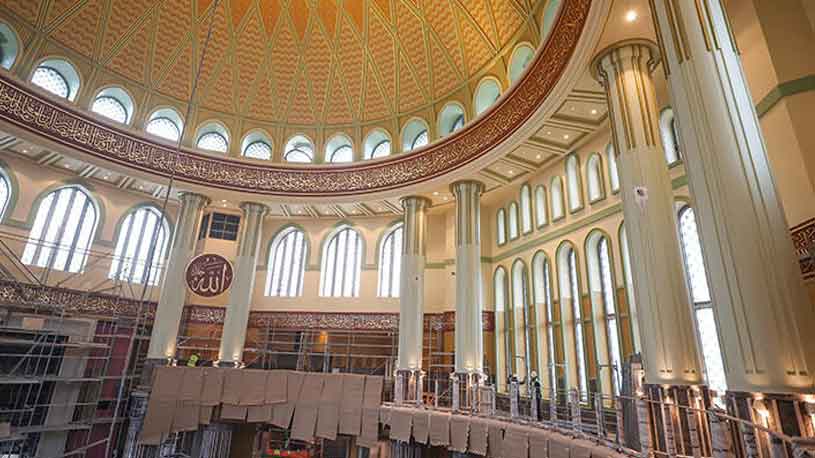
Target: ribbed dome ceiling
x: 291, y: 62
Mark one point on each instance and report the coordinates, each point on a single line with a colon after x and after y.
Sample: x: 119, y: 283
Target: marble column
x: 173, y: 290
x: 469, y: 301
x: 670, y: 355
x: 411, y: 299
x: 762, y: 310
x: 240, y: 295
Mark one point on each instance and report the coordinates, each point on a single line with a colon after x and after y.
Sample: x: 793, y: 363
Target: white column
x: 669, y: 349
x: 469, y: 300
x: 411, y: 283
x: 762, y: 310
x: 174, y: 290
x: 240, y: 295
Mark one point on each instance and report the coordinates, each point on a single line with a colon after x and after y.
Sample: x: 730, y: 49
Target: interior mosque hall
x: 407, y: 228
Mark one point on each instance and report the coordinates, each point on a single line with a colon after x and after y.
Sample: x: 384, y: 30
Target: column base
x: 408, y: 386
x: 465, y: 390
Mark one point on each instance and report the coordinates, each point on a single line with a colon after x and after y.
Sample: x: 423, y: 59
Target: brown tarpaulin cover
x: 369, y: 437
x: 479, y: 432
x: 305, y: 413
x: 253, y: 387
x: 233, y: 384
x: 157, y: 421
x: 351, y: 404
x: 328, y: 415
x: 233, y: 412
x: 421, y: 426
x: 276, y: 387
x: 516, y: 442
x: 373, y: 391
x: 401, y: 420
x: 283, y: 412
x: 559, y: 447
x: 439, y: 428
x: 259, y: 414
x: 496, y: 439
x: 213, y: 386
x: 538, y: 443
x: 459, y: 432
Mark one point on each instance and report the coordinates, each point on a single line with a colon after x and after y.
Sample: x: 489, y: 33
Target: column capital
x: 462, y: 183
x: 254, y: 207
x: 609, y: 58
x: 187, y: 197
x: 419, y: 201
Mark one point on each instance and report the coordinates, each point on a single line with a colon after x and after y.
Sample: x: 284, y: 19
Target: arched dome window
x: 390, y: 262
x: 451, y: 119
x: 502, y: 344
x: 257, y: 145
x: 341, y: 264
x: 547, y: 326
x: 140, y: 247
x: 501, y: 226
x: 669, y: 132
x: 594, y: 178
x: 114, y: 103
x: 165, y: 123
x: 574, y: 184
x: 541, y: 216
x: 526, y: 209
x: 571, y: 309
x: 613, y: 172
x: 286, y: 264
x: 63, y: 230
x: 696, y: 274
x: 377, y: 144
x: 339, y: 149
x: 213, y: 137
x: 9, y: 46
x: 601, y: 289
x: 299, y: 149
x: 487, y: 93
x: 549, y: 15
x: 556, y: 195
x: 414, y: 135
x: 520, y: 59
x: 58, y: 77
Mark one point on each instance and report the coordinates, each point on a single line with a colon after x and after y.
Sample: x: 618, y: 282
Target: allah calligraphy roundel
x: 209, y: 275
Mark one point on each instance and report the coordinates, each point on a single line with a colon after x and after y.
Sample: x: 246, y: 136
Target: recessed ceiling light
x: 106, y: 177
x: 511, y: 172
x: 565, y: 136
x: 67, y: 166
x: 25, y: 150
x: 548, y: 132
x: 446, y: 198
x: 435, y: 193
x: 223, y: 200
x: 631, y: 15
x: 594, y: 112
x: 538, y: 156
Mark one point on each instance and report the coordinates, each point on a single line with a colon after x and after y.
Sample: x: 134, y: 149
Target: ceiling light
x: 223, y: 201
x: 435, y: 193
x: 446, y: 198
x: 631, y: 15
x: 548, y: 132
x: 511, y: 172
x: 565, y: 136
x: 67, y: 166
x: 106, y: 177
x: 594, y: 112
x: 538, y: 156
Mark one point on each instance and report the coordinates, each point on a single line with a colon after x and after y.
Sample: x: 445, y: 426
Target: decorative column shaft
x: 411, y: 285
x: 469, y: 301
x: 669, y: 348
x: 763, y: 313
x: 173, y: 292
x: 240, y: 295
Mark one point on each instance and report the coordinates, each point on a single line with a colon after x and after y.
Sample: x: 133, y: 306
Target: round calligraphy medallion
x: 209, y: 275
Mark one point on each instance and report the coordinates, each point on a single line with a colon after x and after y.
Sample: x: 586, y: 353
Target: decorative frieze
x: 803, y: 239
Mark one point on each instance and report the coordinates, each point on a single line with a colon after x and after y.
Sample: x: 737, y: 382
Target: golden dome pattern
x: 288, y: 62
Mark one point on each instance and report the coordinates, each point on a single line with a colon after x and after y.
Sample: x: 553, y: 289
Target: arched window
x: 58, y: 77
x: 540, y: 206
x: 549, y: 15
x: 5, y: 193
x: 700, y: 293
x: 165, y: 123
x: 670, y: 136
x: 63, y: 230
x: 114, y: 103
x: 547, y: 324
x: 601, y: 288
x: 451, y: 119
x: 341, y: 264
x: 556, y: 194
x: 520, y: 59
x: 257, y: 145
x: 502, y: 344
x: 9, y: 46
x: 613, y: 173
x: 287, y: 262
x: 521, y: 321
x: 594, y: 178
x: 573, y: 183
x: 140, y: 247
x: 501, y: 226
x: 569, y: 281
x: 339, y: 149
x: 414, y: 135
x: 526, y: 209
x: 629, y: 286
x: 487, y: 93
x: 390, y: 262
x: 513, y: 221
x: 377, y: 144
x: 299, y: 149
x: 213, y: 137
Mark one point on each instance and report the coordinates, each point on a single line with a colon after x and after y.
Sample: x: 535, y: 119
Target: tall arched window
x: 526, y: 209
x: 513, y: 221
x: 541, y: 217
x: 702, y: 305
x: 287, y: 263
x: 341, y: 264
x: 594, y: 178
x: 629, y: 287
x: 547, y: 326
x: 569, y: 281
x: 670, y: 136
x: 63, y: 230
x: 613, y: 172
x: 390, y: 262
x: 523, y: 326
x: 501, y: 226
x: 502, y: 344
x: 140, y: 247
x: 556, y: 195
x: 5, y: 193
x: 573, y: 183
x: 299, y: 149
x: 601, y: 288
